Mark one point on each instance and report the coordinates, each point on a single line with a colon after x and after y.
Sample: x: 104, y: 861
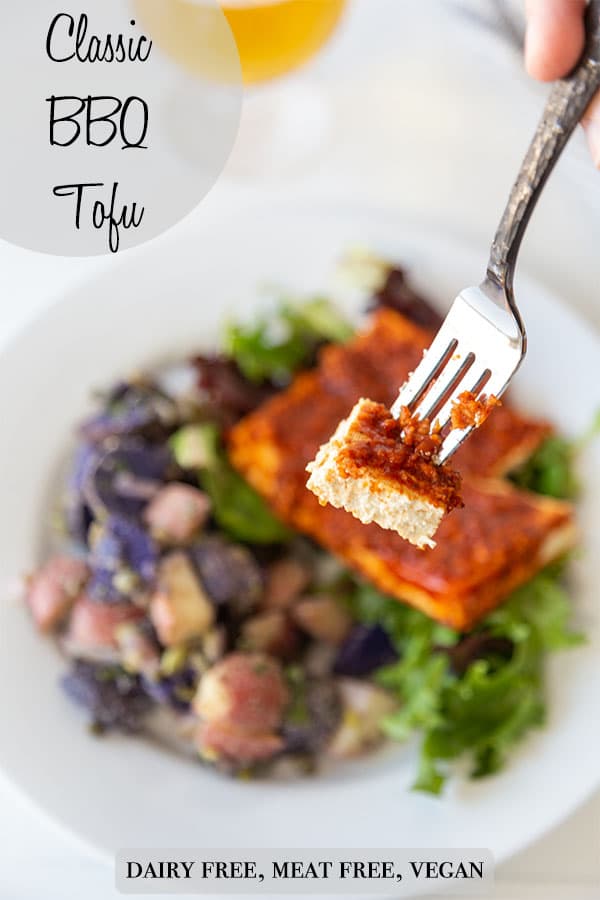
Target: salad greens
x: 550, y: 470
x: 482, y: 712
x: 237, y: 508
x: 274, y: 348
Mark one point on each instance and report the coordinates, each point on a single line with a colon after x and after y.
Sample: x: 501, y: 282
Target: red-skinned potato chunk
x: 285, y: 581
x: 245, y: 692
x: 180, y: 609
x: 270, y: 632
x: 322, y: 617
x: 94, y: 625
x: 216, y: 741
x: 53, y: 590
x: 176, y: 513
x: 363, y: 707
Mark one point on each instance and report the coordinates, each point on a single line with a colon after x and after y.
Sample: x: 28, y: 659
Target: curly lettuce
x: 551, y: 469
x: 482, y: 710
x: 274, y: 348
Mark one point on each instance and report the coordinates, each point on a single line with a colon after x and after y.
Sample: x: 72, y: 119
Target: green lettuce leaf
x: 482, y: 713
x: 236, y: 507
x: 551, y: 469
x: 276, y: 347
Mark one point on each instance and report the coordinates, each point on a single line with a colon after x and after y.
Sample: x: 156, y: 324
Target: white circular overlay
x: 110, y: 133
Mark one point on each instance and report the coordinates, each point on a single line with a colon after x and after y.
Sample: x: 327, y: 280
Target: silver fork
x: 482, y: 341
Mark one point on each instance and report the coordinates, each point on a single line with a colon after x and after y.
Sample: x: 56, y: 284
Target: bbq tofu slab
x: 499, y: 540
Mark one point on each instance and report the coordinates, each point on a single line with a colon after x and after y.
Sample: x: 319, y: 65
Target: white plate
x: 121, y: 792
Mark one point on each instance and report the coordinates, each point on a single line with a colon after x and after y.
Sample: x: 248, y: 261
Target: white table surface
x: 444, y: 153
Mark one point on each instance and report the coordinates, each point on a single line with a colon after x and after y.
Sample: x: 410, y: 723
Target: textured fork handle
x: 566, y: 105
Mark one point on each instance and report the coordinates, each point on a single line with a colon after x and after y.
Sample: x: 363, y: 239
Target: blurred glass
x: 273, y: 36
x: 285, y: 122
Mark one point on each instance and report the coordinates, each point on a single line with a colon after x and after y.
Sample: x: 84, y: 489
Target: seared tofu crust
x: 367, y: 469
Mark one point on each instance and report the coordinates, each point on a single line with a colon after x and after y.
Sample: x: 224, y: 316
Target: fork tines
x: 475, y: 349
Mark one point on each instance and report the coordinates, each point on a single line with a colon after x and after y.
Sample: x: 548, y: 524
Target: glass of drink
x: 283, y: 122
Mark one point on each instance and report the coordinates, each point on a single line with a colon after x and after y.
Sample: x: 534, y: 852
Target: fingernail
x: 529, y: 49
x: 592, y: 130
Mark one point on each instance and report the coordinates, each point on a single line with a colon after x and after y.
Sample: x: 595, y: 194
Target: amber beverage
x: 273, y: 36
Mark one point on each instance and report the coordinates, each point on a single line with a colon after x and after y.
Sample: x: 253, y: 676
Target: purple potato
x: 113, y: 698
x: 126, y: 477
x: 132, y: 409
x: 229, y: 573
x: 366, y: 649
x: 120, y: 546
x: 77, y: 512
x: 78, y: 518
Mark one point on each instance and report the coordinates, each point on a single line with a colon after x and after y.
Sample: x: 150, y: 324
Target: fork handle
x: 566, y: 105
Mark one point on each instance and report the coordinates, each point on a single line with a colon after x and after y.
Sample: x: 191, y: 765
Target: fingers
x: 555, y: 37
x: 554, y: 42
x: 591, y: 123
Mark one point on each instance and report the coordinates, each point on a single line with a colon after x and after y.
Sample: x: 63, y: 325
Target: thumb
x: 591, y: 123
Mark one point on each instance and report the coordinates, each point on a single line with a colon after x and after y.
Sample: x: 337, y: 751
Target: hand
x: 554, y: 43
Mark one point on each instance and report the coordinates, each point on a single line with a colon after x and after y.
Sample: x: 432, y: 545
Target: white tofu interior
x: 398, y: 509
